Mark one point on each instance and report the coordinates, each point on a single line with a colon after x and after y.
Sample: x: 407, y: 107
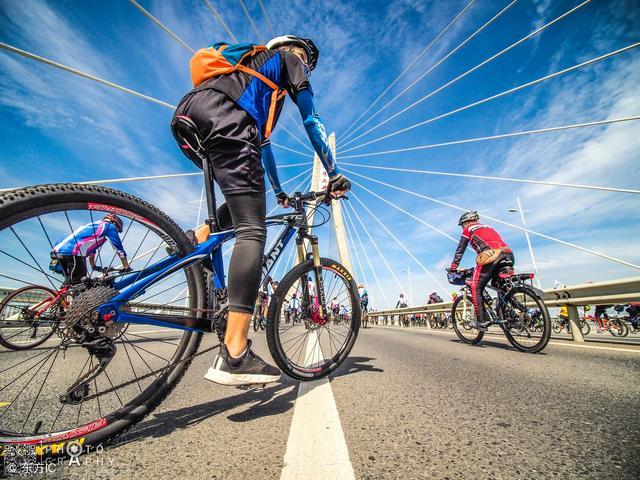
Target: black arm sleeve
x: 462, y: 246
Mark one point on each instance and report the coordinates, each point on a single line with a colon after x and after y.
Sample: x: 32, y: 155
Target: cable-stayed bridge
x: 410, y: 401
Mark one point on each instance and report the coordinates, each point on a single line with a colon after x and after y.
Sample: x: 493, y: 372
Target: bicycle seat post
x: 209, y: 188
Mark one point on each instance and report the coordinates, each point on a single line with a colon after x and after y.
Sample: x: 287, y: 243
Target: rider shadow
x: 262, y: 402
x: 353, y: 365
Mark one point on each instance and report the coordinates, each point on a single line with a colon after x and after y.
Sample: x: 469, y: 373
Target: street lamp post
x: 526, y: 233
x: 408, y: 272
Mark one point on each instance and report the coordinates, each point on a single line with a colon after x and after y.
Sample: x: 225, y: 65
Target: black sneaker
x: 251, y: 369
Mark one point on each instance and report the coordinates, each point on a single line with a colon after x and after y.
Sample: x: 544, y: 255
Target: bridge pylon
x: 320, y: 181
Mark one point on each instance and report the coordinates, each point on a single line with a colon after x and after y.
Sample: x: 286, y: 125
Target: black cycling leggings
x: 248, y: 212
x: 481, y: 277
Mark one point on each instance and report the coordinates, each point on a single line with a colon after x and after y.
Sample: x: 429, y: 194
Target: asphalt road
x: 412, y: 404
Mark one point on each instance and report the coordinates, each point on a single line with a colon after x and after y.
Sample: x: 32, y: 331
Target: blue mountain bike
x: 90, y: 381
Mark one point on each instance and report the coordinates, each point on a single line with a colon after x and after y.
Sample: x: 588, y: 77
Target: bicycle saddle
x: 186, y: 133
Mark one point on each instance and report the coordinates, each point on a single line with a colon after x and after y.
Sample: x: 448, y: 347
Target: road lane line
x: 316, y: 448
x: 568, y: 343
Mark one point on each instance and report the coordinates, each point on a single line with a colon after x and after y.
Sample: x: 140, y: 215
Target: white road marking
x: 568, y: 343
x: 316, y: 448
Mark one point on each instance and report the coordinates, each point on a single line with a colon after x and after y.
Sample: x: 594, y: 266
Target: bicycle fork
x: 317, y: 271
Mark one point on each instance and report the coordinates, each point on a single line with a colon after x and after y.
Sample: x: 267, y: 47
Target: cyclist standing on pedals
x: 494, y: 257
x: 68, y: 256
x: 234, y: 114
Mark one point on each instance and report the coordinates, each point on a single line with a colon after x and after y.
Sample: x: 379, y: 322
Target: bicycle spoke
x: 26, y: 420
x: 39, y: 268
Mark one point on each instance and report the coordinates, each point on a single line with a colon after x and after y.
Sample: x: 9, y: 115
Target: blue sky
x: 58, y: 127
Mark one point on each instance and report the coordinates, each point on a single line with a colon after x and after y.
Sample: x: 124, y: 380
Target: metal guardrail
x: 597, y: 293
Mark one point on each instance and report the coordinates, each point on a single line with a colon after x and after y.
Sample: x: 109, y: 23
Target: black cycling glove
x: 339, y: 182
x: 283, y: 199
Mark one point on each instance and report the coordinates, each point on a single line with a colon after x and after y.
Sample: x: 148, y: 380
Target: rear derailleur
x: 103, y: 349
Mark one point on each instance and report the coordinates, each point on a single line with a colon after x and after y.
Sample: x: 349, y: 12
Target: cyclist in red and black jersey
x: 494, y: 257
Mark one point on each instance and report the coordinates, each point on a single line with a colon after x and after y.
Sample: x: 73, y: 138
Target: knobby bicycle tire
x: 21, y: 204
x: 273, y: 320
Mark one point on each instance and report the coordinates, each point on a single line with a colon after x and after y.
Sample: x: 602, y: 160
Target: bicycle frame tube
x: 135, y: 284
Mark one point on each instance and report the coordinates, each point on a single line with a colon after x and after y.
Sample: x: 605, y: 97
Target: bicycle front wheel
x: 316, y: 346
x: 463, y: 318
x: 584, y: 327
x: 29, y: 316
x: 520, y: 308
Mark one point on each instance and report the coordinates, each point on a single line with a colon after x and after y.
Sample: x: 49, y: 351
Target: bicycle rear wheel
x: 50, y: 407
x: 618, y: 328
x: 316, y: 346
x: 463, y: 318
x: 520, y: 307
x: 28, y: 317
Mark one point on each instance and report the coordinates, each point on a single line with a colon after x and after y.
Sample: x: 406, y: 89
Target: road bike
x: 616, y: 326
x: 517, y: 309
x: 258, y: 319
x: 83, y: 385
x: 30, y: 315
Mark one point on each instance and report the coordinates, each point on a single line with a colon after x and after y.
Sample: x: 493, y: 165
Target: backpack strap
x: 276, y: 96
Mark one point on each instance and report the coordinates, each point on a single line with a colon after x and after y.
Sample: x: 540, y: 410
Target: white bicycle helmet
x: 312, y: 51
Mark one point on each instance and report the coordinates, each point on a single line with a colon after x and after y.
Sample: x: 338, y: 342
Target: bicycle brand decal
x: 273, y: 256
x: 341, y: 271
x: 70, y: 434
x: 119, y: 211
x: 134, y: 216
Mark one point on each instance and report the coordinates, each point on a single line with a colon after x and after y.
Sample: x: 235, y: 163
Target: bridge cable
x: 220, y: 20
x: 417, y: 219
x: 471, y: 70
x: 292, y: 150
x: 517, y: 227
x: 354, y: 251
x: 266, y: 17
x: 406, y: 69
x: 375, y: 245
x: 428, y: 71
x: 498, y: 95
x: 161, y: 25
x: 150, y: 177
x: 253, y: 25
x: 364, y: 254
x: 415, y: 259
x: 505, y: 179
x: 46, y: 61
x: 495, y: 137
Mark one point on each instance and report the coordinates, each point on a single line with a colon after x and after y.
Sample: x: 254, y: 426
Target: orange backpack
x: 222, y: 59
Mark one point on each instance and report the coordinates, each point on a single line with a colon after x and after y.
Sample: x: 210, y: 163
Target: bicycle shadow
x: 490, y: 343
x: 262, y: 403
x: 353, y: 365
